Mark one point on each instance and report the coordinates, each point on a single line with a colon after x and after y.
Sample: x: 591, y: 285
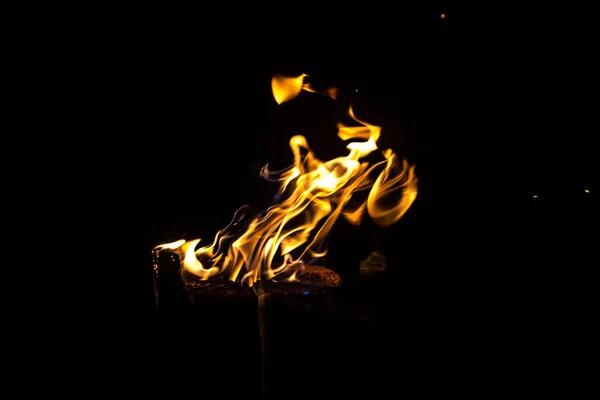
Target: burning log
x: 308, y: 280
x: 309, y: 291
x: 210, y: 302
x: 272, y: 254
x: 171, y: 288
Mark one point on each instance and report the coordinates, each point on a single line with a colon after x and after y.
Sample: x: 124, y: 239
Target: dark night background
x: 495, y: 280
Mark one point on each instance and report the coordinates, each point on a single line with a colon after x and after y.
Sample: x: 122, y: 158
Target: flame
x: 170, y: 246
x: 285, y: 88
x: 312, y: 195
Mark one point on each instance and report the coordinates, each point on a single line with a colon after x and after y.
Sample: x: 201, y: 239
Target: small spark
x: 356, y: 90
x: 535, y: 195
x: 587, y: 190
x: 442, y: 16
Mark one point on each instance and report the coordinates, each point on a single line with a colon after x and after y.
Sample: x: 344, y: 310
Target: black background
x: 492, y: 106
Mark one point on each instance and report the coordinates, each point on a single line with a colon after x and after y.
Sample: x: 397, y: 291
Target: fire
x: 312, y: 196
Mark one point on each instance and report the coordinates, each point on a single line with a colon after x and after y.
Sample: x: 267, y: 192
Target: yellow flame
x: 355, y: 217
x: 332, y: 92
x: 387, y: 183
x: 312, y: 195
x: 285, y: 88
x: 170, y: 246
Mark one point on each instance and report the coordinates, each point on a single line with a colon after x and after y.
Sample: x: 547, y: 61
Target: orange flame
x: 311, y: 197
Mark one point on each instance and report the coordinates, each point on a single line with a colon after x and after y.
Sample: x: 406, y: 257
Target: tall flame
x: 312, y: 195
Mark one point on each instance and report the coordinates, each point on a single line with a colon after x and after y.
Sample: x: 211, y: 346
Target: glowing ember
x: 312, y: 196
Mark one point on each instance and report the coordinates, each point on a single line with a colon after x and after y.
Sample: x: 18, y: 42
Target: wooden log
x: 168, y: 285
x: 234, y: 316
